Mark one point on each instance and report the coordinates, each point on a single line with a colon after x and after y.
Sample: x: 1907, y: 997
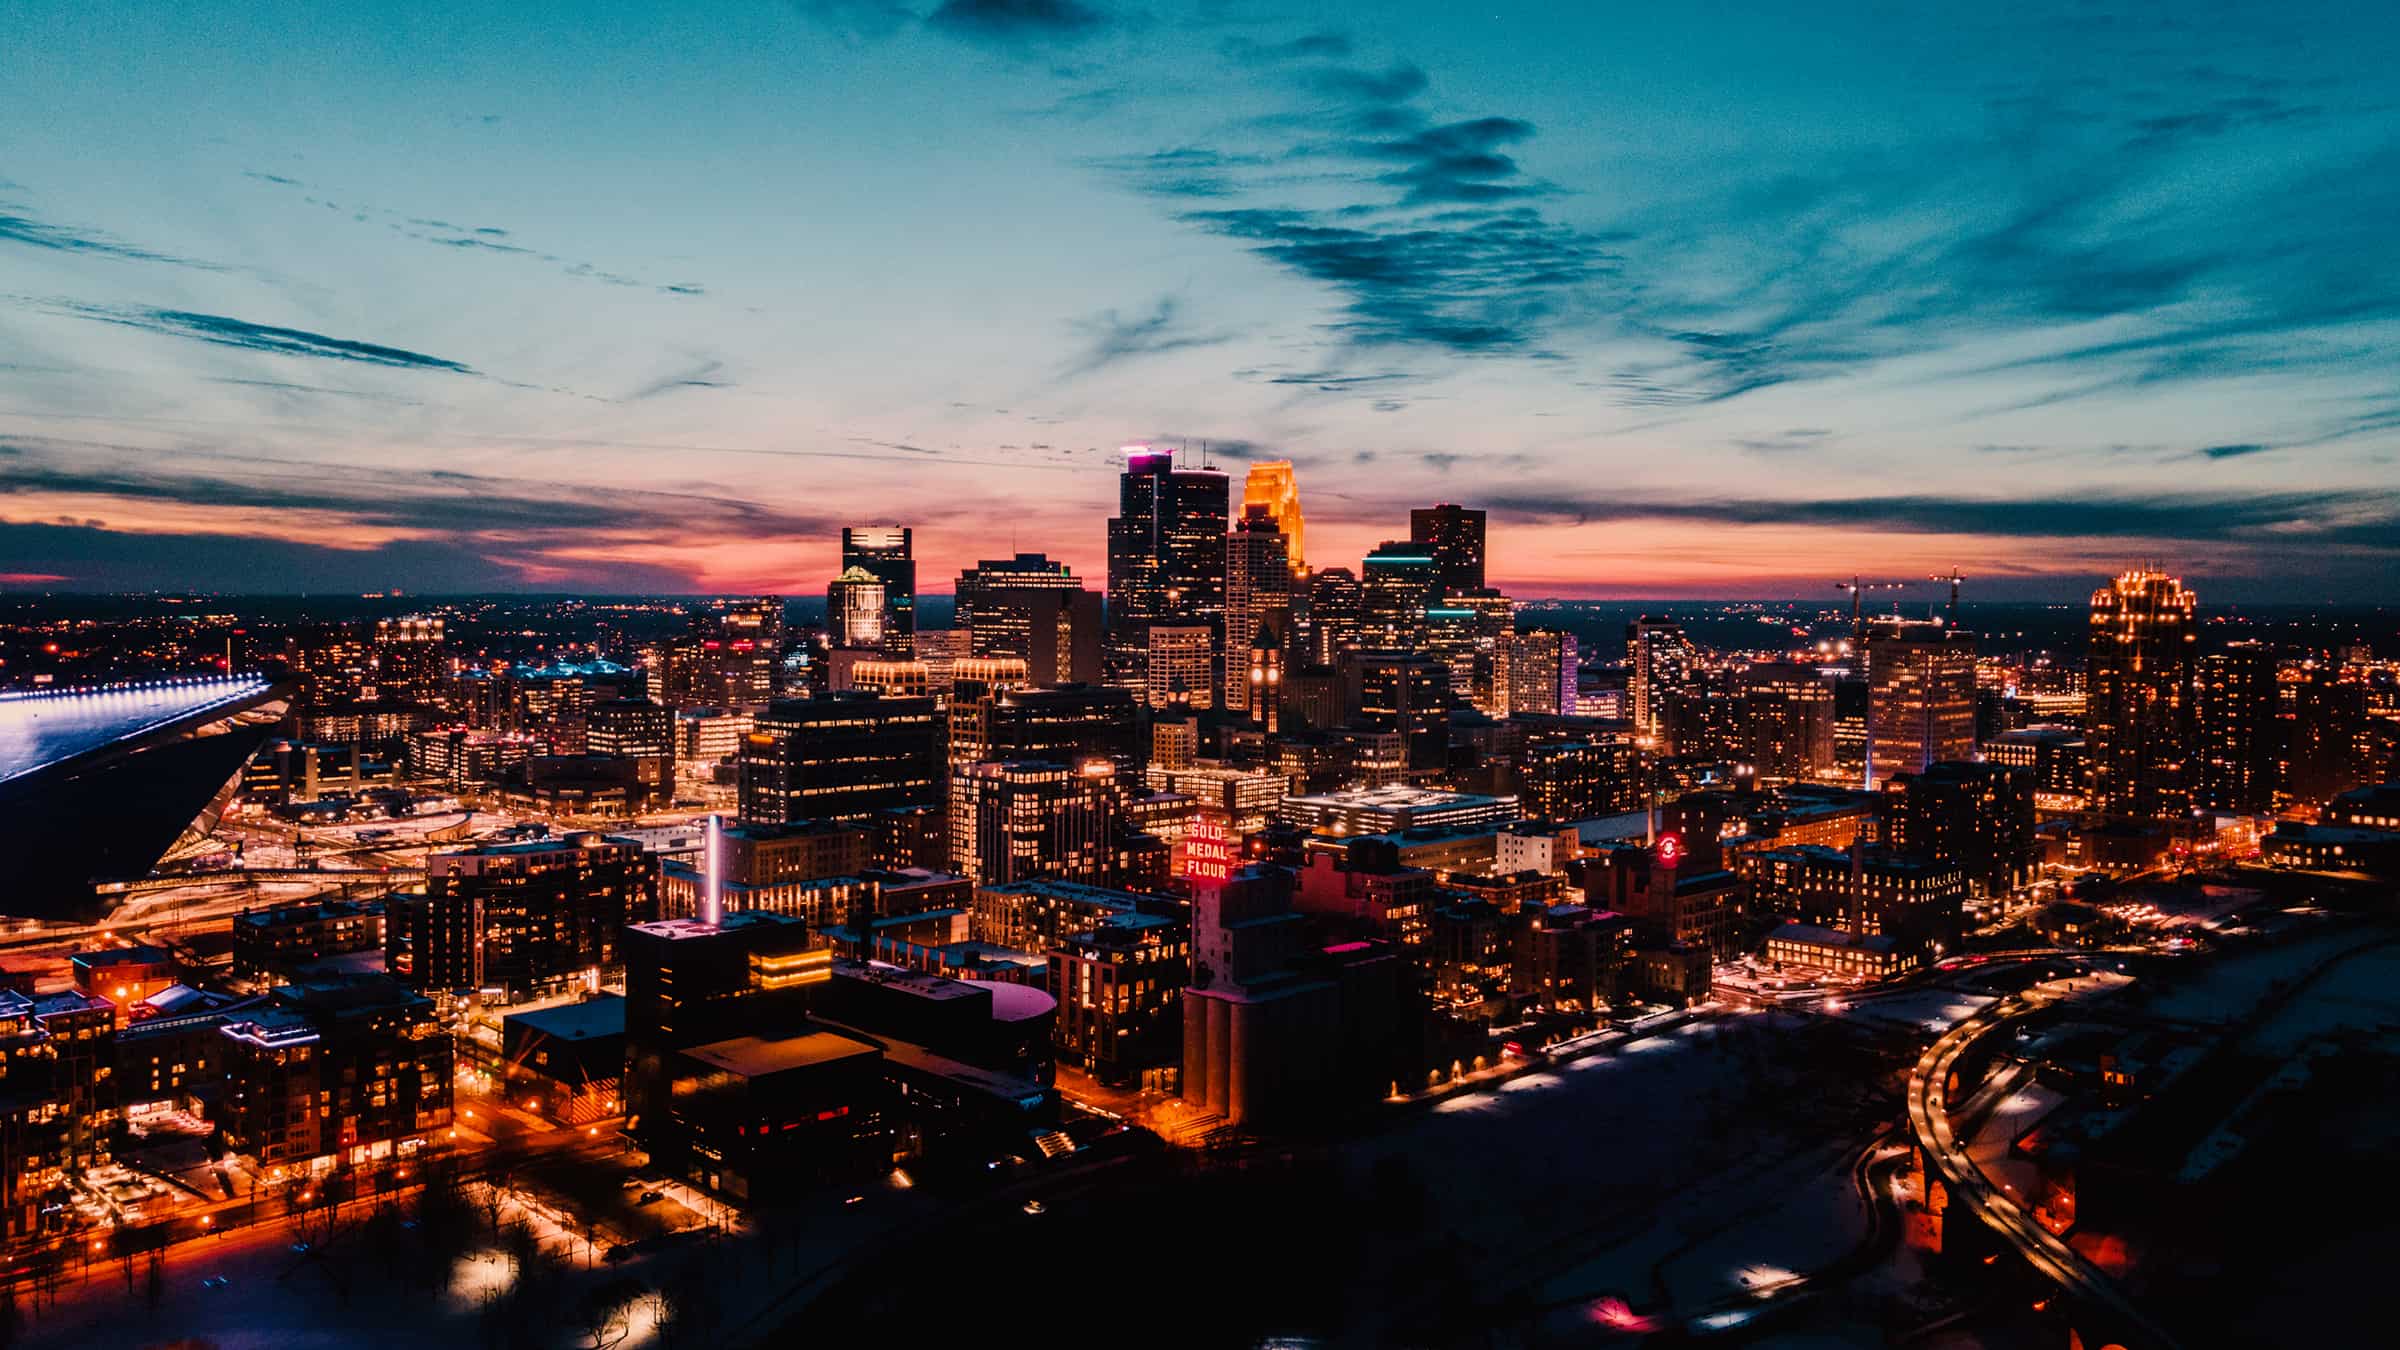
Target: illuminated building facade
x: 1978, y: 817
x: 1067, y: 725
x: 2236, y: 706
x: 352, y: 1070
x: 1180, y: 668
x: 838, y: 757
x: 1408, y: 695
x: 1920, y: 696
x: 1660, y: 661
x: 1272, y: 487
x: 887, y: 553
x: 1330, y: 626
x: 1542, y: 667
x: 1397, y: 583
x: 1258, y: 598
x: 1166, y: 553
x: 854, y: 610
x: 1013, y: 820
x: 2141, y: 673
x: 522, y: 918
x: 1786, y: 721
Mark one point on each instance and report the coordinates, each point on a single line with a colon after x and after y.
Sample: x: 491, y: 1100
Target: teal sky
x: 1697, y: 300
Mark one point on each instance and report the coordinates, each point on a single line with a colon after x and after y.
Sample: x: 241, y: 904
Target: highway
x: 1929, y: 1118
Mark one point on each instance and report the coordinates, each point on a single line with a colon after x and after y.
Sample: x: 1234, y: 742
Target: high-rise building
x: 1659, y: 661
x: 1166, y: 552
x: 1454, y: 536
x: 1330, y: 624
x: 410, y: 658
x: 526, y: 918
x: 1021, y: 572
x: 1180, y: 666
x: 1541, y: 672
x: 2237, y: 713
x: 1397, y: 583
x: 1015, y: 820
x: 854, y: 611
x: 2139, y: 693
x: 1786, y: 721
x: 1407, y: 694
x: 740, y: 642
x: 1258, y: 596
x: 887, y: 553
x: 1920, y: 696
x: 1471, y: 633
x: 1976, y: 817
x: 637, y: 730
x: 840, y: 757
x: 1054, y: 630
x: 1272, y: 486
x: 342, y: 1069
x: 1067, y: 725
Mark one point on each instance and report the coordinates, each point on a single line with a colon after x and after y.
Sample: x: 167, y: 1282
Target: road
x: 1929, y: 1119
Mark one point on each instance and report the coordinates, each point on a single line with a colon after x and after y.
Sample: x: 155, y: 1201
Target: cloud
x: 1111, y: 337
x: 2233, y: 451
x: 1457, y: 162
x: 1014, y: 22
x: 1790, y: 440
x: 1472, y: 286
x: 1397, y: 83
x: 17, y: 228
x: 220, y: 331
x: 703, y: 375
x: 1327, y: 46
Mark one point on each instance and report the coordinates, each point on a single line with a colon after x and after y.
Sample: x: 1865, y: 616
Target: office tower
x: 343, y: 1069
x: 840, y: 757
x: 1541, y: 673
x: 888, y: 553
x: 1397, y: 583
x: 1406, y: 694
x: 740, y: 642
x: 2337, y: 739
x: 525, y: 918
x: 1786, y: 721
x: 1166, y: 552
x: 1454, y: 536
x: 1272, y: 486
x: 2236, y: 706
x: 1581, y: 779
x: 2138, y: 702
x: 1920, y: 696
x: 409, y: 658
x: 1471, y: 633
x: 854, y: 611
x: 1054, y: 629
x: 1976, y: 817
x: 1021, y: 572
x: 1258, y: 595
x: 1701, y: 720
x: 638, y: 730
x: 1315, y: 698
x: 1180, y: 666
x: 1064, y: 726
x: 1332, y: 616
x: 1015, y: 820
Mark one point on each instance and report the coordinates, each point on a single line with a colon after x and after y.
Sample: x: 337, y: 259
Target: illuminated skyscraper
x: 854, y: 610
x: 1660, y: 660
x: 1454, y: 536
x: 1541, y: 673
x: 886, y: 551
x: 1920, y: 696
x: 1332, y: 616
x: 1786, y: 721
x: 1180, y: 666
x: 1272, y: 486
x: 1258, y: 595
x: 1166, y: 553
x: 2238, y: 729
x: 1397, y: 583
x: 2139, y: 694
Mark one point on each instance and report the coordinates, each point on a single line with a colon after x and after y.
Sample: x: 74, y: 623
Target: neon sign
x: 1670, y: 849
x: 1209, y: 849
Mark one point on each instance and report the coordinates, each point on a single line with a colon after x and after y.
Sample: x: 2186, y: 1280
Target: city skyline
x: 659, y: 301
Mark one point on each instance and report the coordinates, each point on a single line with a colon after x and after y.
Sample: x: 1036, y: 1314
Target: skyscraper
x: 2240, y: 747
x: 1272, y: 486
x: 1332, y: 618
x: 855, y: 610
x: 1397, y: 583
x: 1659, y: 660
x: 1920, y: 696
x: 840, y: 757
x: 1166, y: 552
x: 2139, y: 690
x: 1454, y: 536
x: 1258, y: 595
x: 1541, y: 673
x: 887, y: 552
x: 1180, y: 666
x: 1787, y: 721
x: 1013, y: 820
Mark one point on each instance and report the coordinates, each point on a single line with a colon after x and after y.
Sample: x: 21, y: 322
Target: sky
x: 1703, y: 300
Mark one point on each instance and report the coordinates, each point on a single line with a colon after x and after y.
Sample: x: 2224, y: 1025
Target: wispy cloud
x: 1016, y: 22
x: 218, y: 330
x: 16, y: 227
x: 1112, y: 336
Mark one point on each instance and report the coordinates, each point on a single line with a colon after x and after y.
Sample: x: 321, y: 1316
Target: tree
x: 154, y: 1283
x: 604, y: 1312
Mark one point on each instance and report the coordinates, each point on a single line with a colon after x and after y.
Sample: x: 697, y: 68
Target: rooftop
x: 757, y: 1056
x: 38, y: 730
x: 589, y: 1020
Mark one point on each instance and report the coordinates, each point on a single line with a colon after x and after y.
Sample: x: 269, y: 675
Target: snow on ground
x: 2361, y: 994
x: 1929, y: 1010
x: 2227, y: 988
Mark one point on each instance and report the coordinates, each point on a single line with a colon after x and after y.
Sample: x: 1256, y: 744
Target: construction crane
x: 1953, y: 578
x: 1858, y: 590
